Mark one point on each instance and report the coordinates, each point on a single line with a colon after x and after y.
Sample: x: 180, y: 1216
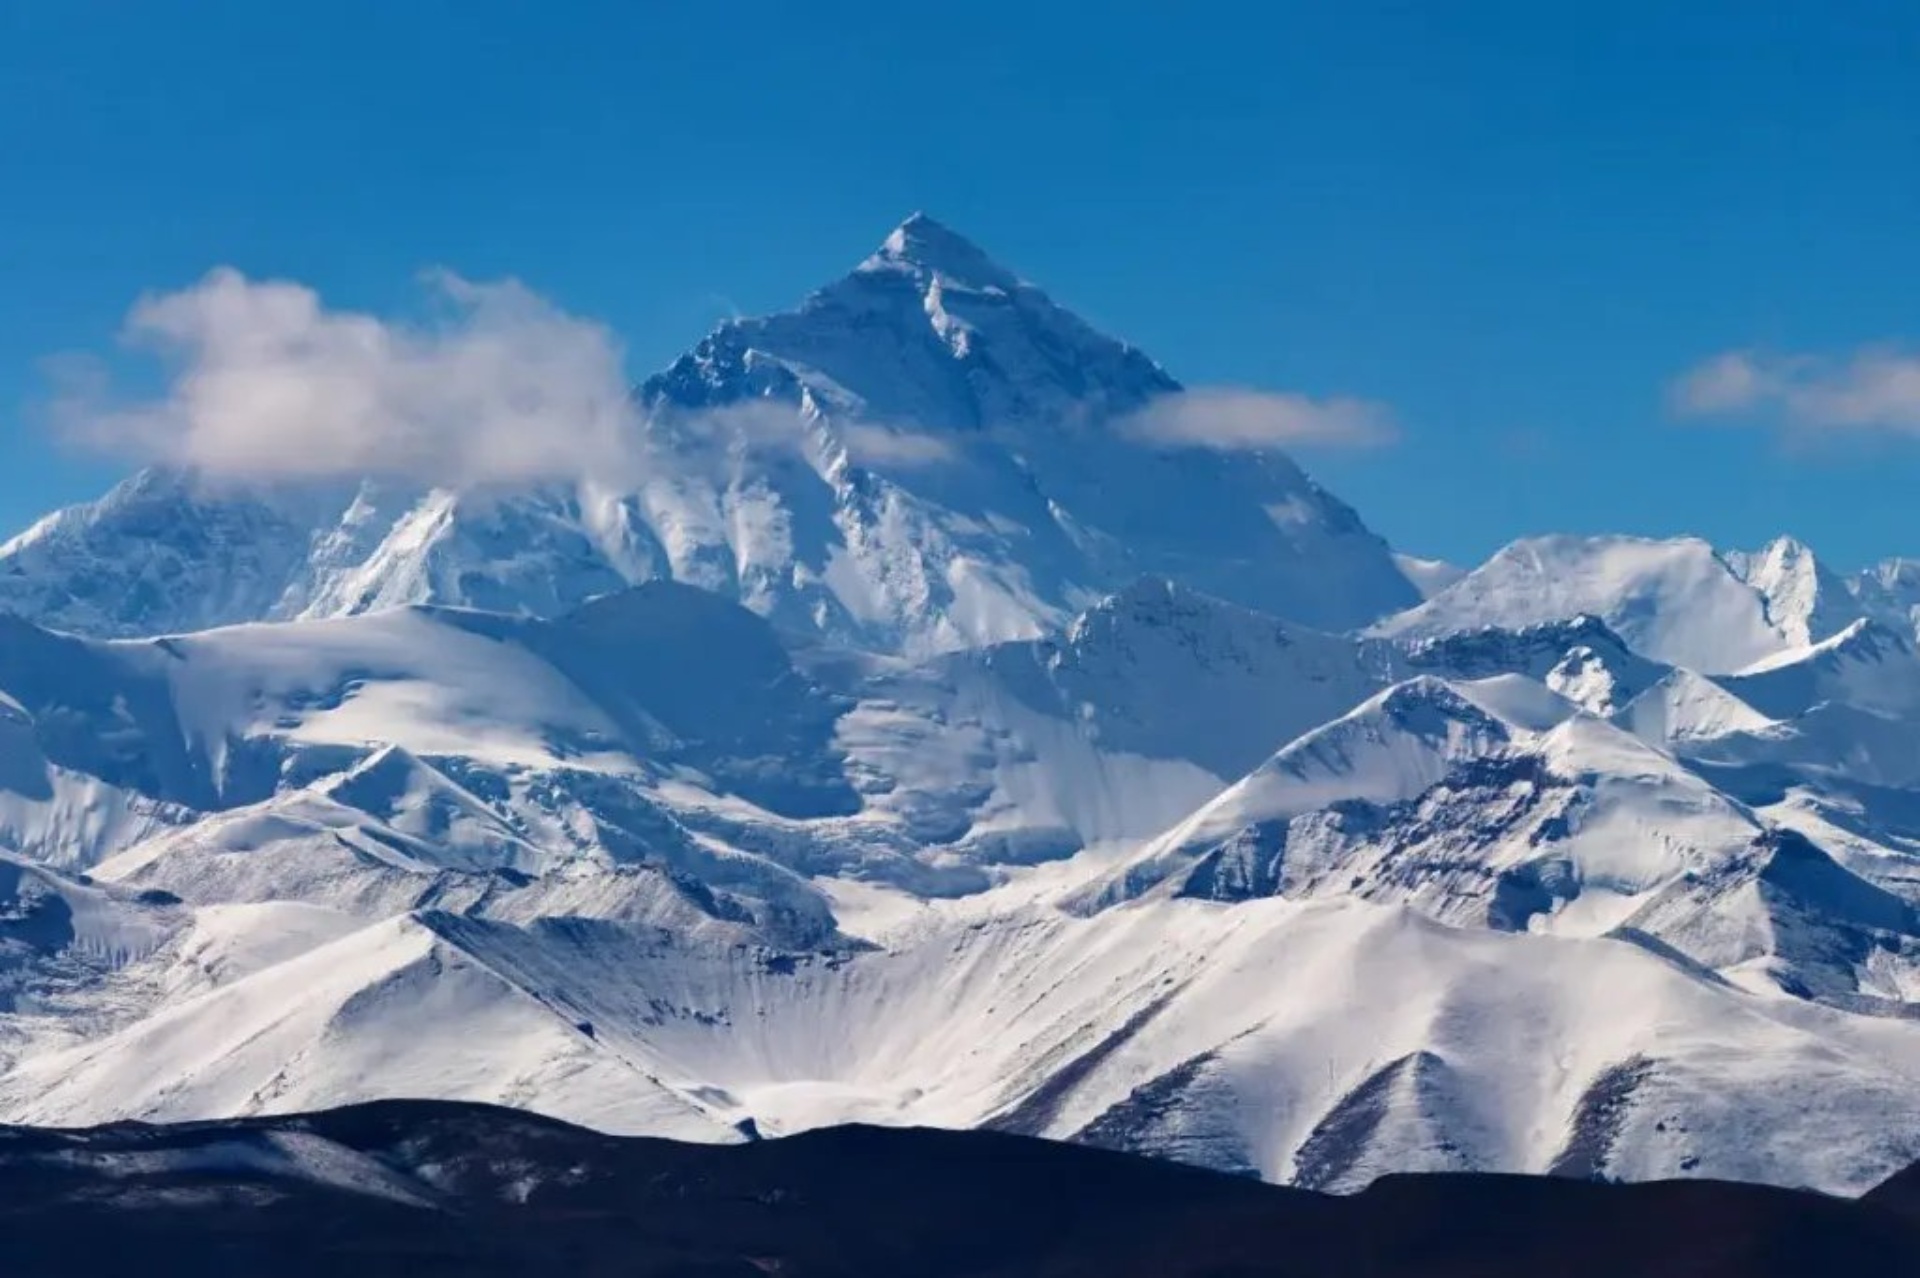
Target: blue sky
x: 1515, y: 224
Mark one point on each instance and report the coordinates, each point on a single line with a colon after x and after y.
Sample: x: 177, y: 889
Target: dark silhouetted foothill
x: 428, y: 1188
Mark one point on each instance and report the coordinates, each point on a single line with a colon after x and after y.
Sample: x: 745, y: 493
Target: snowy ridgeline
x: 998, y: 769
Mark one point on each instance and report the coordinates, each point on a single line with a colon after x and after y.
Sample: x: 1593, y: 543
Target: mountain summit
x: 916, y: 458
x: 925, y: 246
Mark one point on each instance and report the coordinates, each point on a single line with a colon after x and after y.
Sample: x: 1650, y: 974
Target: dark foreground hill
x: 428, y: 1188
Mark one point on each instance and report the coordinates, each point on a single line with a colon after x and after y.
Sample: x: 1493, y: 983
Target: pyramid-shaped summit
x: 927, y: 331
x: 921, y: 244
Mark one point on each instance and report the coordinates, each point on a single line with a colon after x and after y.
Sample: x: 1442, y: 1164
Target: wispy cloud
x: 1875, y: 389
x: 266, y: 381
x: 890, y: 447
x: 1230, y: 419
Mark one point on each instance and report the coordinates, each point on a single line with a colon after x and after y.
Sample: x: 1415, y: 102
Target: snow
x: 390, y: 1010
x: 1390, y: 748
x: 1806, y: 601
x: 454, y: 853
x: 401, y: 677
x: 1889, y: 591
x: 1685, y: 706
x: 1866, y: 665
x: 909, y: 746
x: 1674, y: 601
x: 906, y: 462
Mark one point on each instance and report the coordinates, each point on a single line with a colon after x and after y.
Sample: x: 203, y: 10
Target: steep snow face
x: 1837, y: 718
x: 1007, y: 405
x: 1805, y: 601
x: 55, y: 931
x: 1491, y: 804
x: 923, y: 456
x: 1389, y: 749
x: 61, y: 815
x: 1677, y: 602
x: 1784, y: 915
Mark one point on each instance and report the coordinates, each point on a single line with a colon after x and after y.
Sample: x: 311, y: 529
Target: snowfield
x: 950, y: 757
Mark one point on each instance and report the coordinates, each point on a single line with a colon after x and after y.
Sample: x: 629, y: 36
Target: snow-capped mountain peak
x: 1806, y: 600
x: 926, y: 248
x: 916, y: 458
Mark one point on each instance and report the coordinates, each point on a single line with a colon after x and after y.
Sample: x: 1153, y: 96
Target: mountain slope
x: 635, y: 843
x: 1679, y: 601
x: 1235, y: 1036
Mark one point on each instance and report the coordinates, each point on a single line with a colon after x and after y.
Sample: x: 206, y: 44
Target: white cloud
x: 1229, y: 419
x: 871, y: 445
x: 267, y: 382
x: 1873, y: 389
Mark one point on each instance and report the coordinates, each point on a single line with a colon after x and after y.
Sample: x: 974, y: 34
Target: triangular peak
x: 925, y: 246
x: 1804, y: 599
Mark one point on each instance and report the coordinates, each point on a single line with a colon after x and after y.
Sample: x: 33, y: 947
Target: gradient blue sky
x: 1514, y: 223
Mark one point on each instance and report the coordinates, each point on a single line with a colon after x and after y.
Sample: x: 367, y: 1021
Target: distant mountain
x: 924, y: 456
x: 1679, y: 601
x: 411, y: 1187
x: 1890, y: 591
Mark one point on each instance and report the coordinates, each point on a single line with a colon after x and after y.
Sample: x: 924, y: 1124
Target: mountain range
x: 918, y: 743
